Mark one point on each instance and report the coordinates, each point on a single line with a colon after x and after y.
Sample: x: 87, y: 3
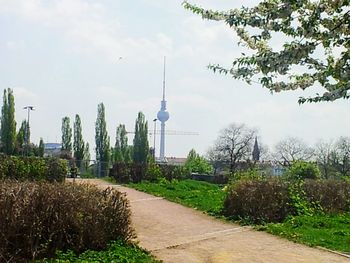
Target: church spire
x: 256, y: 151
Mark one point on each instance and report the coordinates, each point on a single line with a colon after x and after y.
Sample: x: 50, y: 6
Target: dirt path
x: 177, y: 234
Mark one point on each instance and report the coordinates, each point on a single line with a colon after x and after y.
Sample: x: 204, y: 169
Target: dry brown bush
x: 269, y: 200
x: 258, y: 200
x: 36, y: 219
x: 332, y: 195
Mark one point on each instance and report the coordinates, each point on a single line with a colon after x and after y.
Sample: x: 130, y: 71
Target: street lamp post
x: 154, y: 139
x: 28, y: 108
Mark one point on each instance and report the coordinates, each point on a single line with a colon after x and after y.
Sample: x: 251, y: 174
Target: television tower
x: 163, y: 116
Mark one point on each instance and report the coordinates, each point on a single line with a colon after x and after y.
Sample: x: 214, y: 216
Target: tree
x: 102, y: 141
x: 197, y: 164
x: 304, y: 170
x: 140, y: 143
x: 216, y: 158
x: 66, y: 136
x: 323, y: 154
x: 234, y: 145
x: 21, y: 138
x: 128, y: 158
x: 8, y: 123
x: 78, y: 143
x: 340, y: 156
x: 292, y: 149
x: 121, y: 149
x: 87, y: 156
x: 41, y: 148
x: 316, y: 48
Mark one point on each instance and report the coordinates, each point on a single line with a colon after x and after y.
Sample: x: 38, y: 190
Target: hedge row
x: 130, y: 172
x: 39, y: 218
x: 33, y: 168
x: 271, y: 200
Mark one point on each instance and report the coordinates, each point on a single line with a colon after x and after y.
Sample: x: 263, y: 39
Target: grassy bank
x: 329, y: 231
x: 117, y: 252
x: 198, y: 195
x: 332, y: 232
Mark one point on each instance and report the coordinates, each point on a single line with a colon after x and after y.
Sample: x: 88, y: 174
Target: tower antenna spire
x: 164, y: 78
x: 163, y: 116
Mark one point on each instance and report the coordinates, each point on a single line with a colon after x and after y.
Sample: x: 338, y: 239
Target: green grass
x: 203, y: 196
x: 329, y: 231
x: 117, y: 252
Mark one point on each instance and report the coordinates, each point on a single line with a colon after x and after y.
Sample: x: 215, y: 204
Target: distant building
x: 176, y: 161
x: 52, y: 149
x: 172, y: 161
x: 277, y: 170
x: 271, y: 168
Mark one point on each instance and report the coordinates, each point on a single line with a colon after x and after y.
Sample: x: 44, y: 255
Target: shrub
x: 153, y: 173
x: 121, y: 172
x: 333, y: 196
x: 258, y: 200
x: 273, y: 200
x: 247, y: 175
x: 171, y: 172
x: 39, y: 218
x: 304, y: 170
x: 57, y: 169
x: 33, y: 168
x: 197, y: 164
x: 128, y: 172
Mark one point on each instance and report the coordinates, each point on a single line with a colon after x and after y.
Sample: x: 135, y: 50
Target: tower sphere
x: 163, y: 116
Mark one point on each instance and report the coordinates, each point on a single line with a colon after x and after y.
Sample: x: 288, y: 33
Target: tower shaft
x: 162, y: 141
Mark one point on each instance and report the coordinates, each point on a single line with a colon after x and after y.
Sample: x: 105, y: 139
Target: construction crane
x: 168, y: 132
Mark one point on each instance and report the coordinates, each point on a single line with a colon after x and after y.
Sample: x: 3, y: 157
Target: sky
x: 66, y: 56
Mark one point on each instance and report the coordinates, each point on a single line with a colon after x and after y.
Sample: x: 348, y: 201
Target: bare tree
x: 215, y: 158
x: 234, y: 145
x: 323, y: 153
x: 340, y: 157
x: 292, y: 149
x: 264, y: 152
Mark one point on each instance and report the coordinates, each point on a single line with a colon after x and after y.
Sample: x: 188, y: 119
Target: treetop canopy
x: 315, y: 51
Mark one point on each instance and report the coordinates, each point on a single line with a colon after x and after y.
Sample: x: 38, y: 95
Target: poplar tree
x: 8, y: 123
x: 66, y: 135
x: 102, y: 140
x: 121, y: 149
x: 21, y: 137
x: 41, y: 148
x: 78, y: 143
x: 87, y: 156
x: 140, y: 143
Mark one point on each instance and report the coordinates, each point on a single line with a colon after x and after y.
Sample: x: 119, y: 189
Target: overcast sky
x: 62, y: 56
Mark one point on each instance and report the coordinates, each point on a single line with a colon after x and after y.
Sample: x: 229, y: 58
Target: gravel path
x: 178, y: 234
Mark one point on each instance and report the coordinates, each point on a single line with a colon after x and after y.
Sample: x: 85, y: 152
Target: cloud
x: 87, y: 27
x: 24, y: 94
x: 195, y: 103
x: 15, y: 45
